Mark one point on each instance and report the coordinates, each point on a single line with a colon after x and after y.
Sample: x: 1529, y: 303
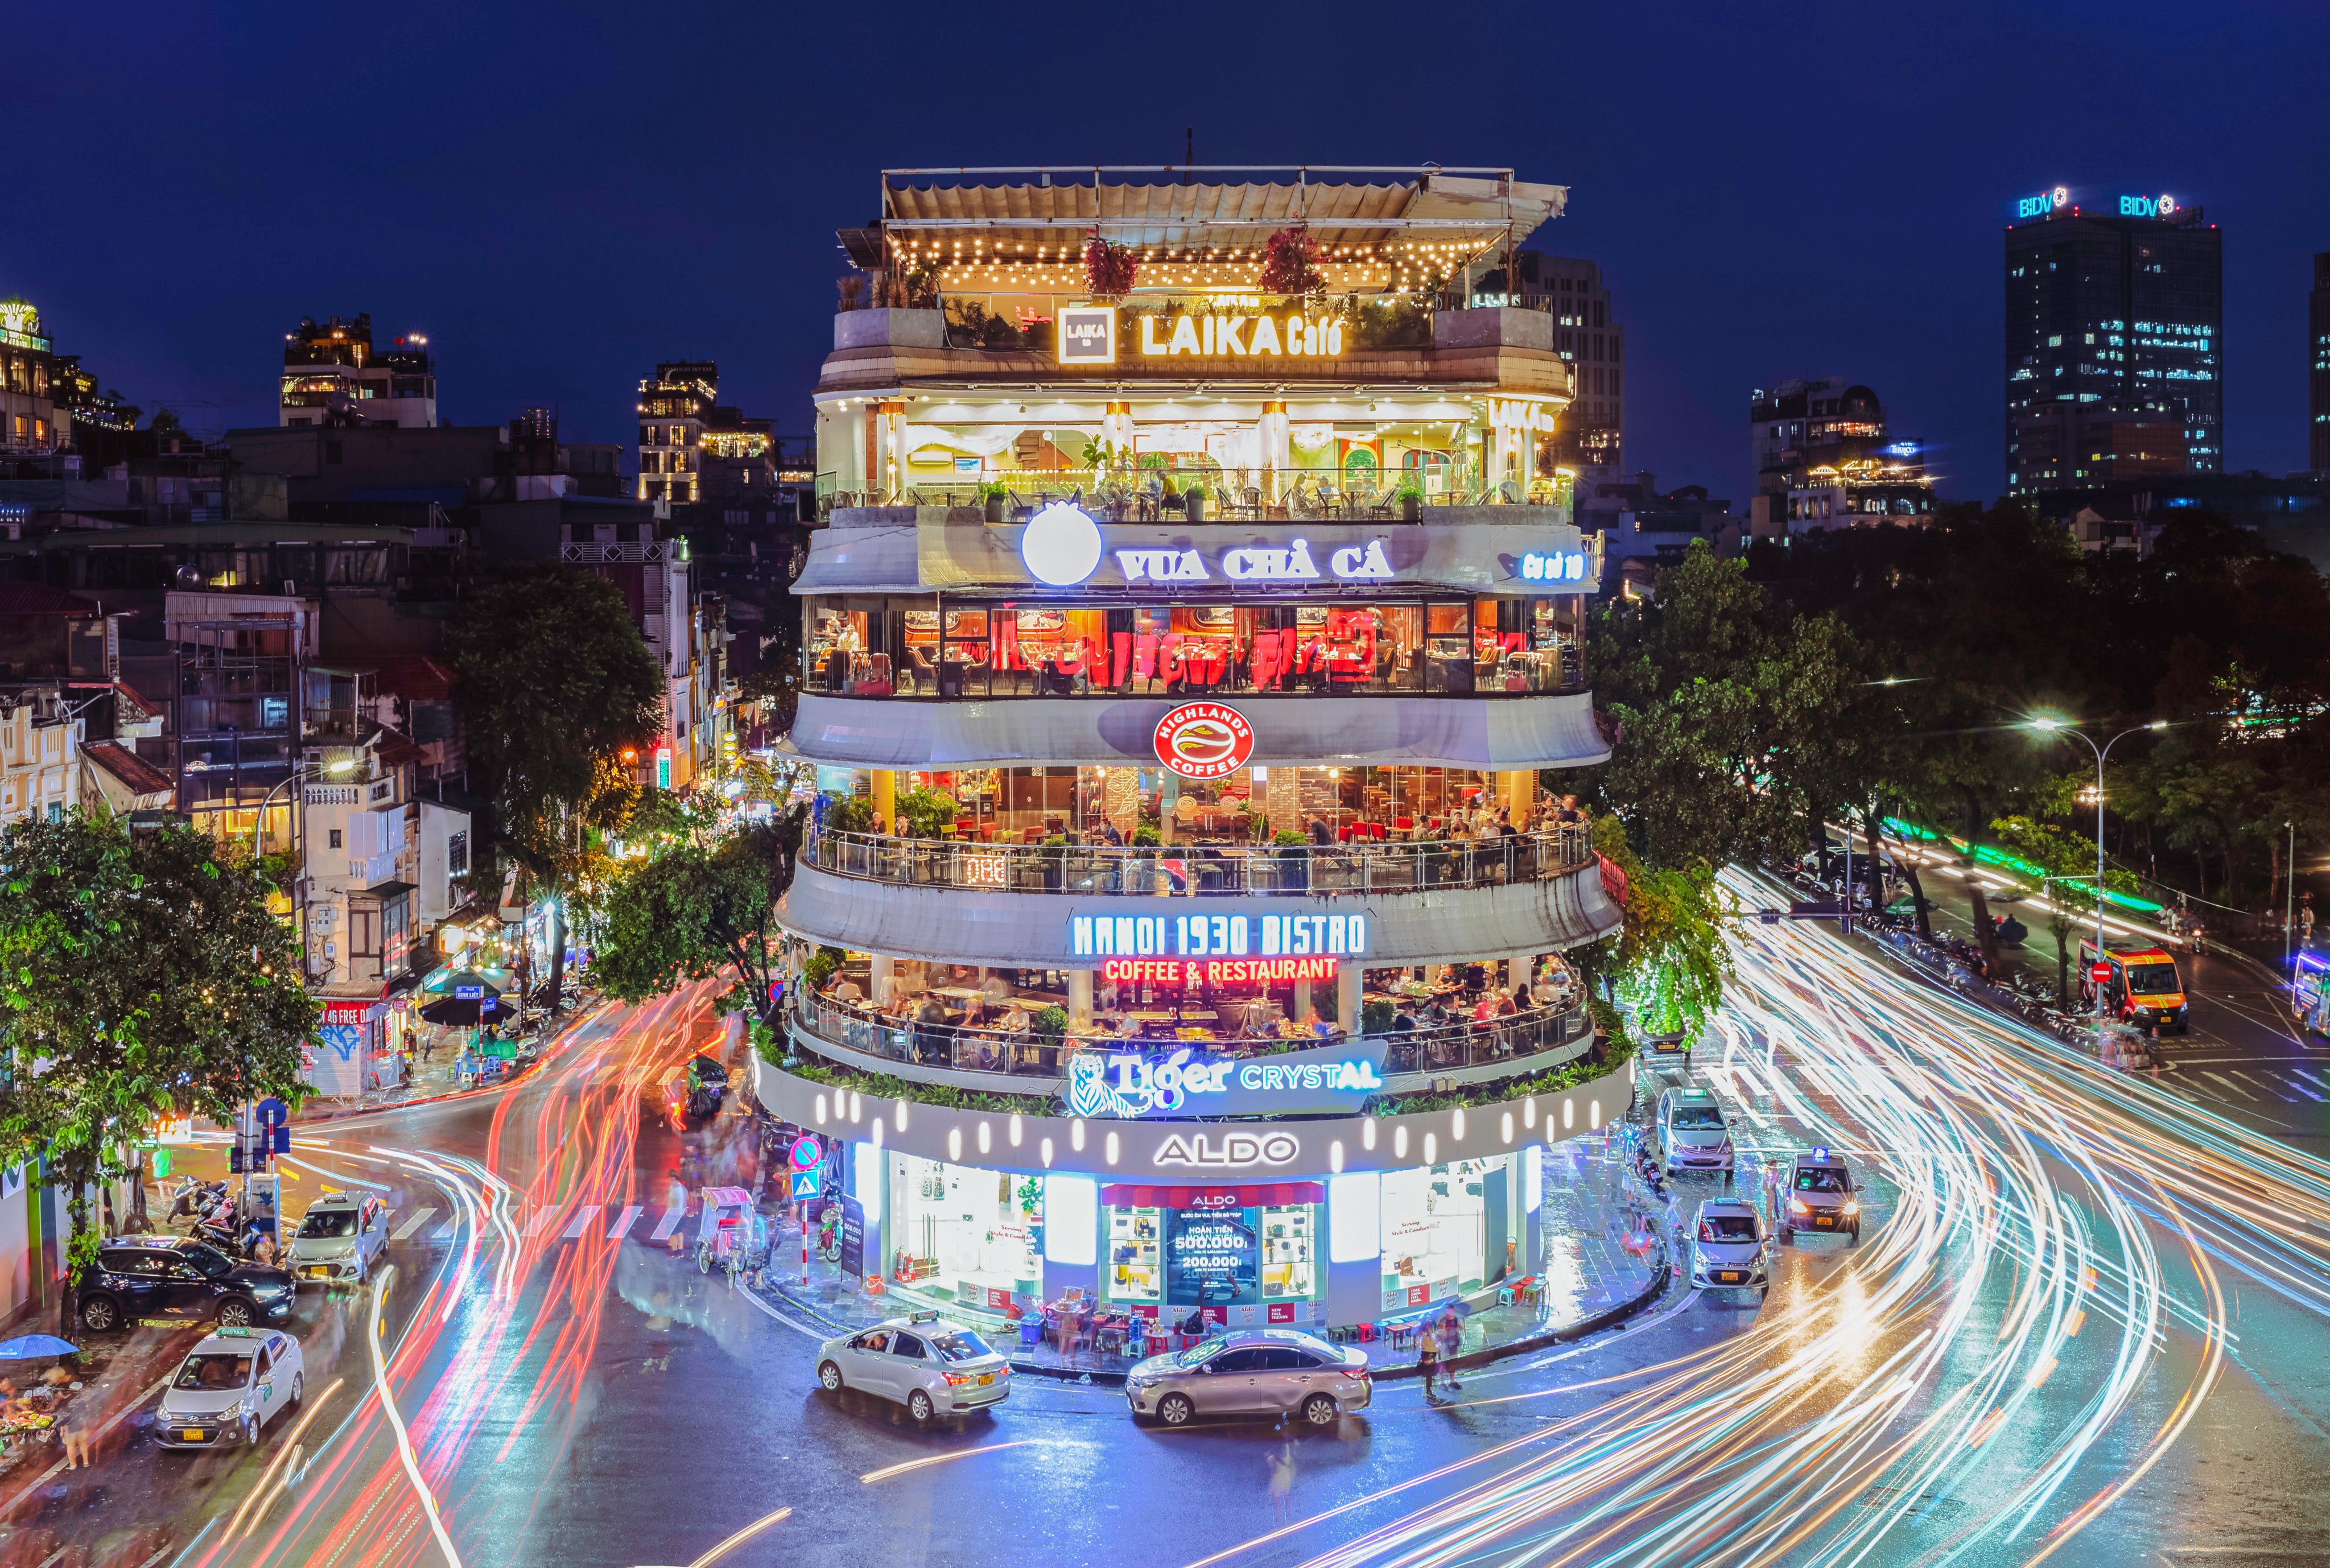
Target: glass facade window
x: 1437, y: 1224
x: 874, y: 647
x: 965, y: 1233
x: 1136, y: 1244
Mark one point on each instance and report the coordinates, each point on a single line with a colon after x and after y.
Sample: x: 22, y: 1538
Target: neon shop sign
x: 1240, y: 336
x: 1228, y: 1151
x: 1217, y: 936
x: 1132, y: 1084
x: 1291, y: 563
x: 1555, y: 566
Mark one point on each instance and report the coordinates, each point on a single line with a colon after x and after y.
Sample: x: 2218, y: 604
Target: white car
x: 231, y: 1384
x: 933, y: 1368
x: 1727, y: 1248
x: 1691, y: 1133
x: 338, y: 1240
x: 1821, y: 1197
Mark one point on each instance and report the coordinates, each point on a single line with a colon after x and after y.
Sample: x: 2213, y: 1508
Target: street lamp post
x: 2057, y: 727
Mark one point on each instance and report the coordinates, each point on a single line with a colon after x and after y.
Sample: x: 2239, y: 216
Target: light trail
x: 883, y: 1474
x: 2017, y: 1286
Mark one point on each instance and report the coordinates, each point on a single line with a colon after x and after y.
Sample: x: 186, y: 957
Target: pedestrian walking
x: 2305, y: 918
x: 1428, y: 1362
x: 73, y: 1427
x: 1281, y: 1482
x: 1452, y: 1337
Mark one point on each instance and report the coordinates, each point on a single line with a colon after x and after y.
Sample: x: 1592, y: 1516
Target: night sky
x: 560, y: 195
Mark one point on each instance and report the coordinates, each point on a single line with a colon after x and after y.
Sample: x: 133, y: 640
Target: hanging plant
x: 1290, y: 264
x: 1108, y: 269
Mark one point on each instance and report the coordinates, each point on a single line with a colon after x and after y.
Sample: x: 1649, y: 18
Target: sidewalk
x: 1588, y: 1277
x: 430, y: 1080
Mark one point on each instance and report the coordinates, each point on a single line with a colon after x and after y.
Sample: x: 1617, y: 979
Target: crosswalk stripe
x: 405, y: 1232
x: 2221, y: 1078
x: 541, y: 1220
x: 2301, y: 1089
x: 668, y: 1225
x: 584, y: 1215
x: 623, y: 1223
x: 447, y: 1232
x: 2320, y: 1081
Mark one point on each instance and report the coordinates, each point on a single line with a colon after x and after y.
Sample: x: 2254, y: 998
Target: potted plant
x: 997, y: 498
x: 1193, y: 503
x: 1293, y: 860
x: 1411, y: 500
x: 1054, y: 859
x: 1109, y: 270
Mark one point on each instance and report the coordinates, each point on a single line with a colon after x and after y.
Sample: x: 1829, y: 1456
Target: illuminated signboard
x: 986, y: 868
x: 1186, y: 1080
x: 1088, y: 334
x: 1291, y: 563
x: 1228, y: 1150
x: 1217, y: 971
x: 1060, y: 545
x: 1559, y: 566
x: 2147, y: 206
x: 1213, y: 337
x: 1204, y: 740
x: 2044, y: 203
x: 663, y: 767
x: 1228, y: 936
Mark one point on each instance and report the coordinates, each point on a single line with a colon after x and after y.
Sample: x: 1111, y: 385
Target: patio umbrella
x: 31, y: 1345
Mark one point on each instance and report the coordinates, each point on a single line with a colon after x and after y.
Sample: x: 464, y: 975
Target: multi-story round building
x: 1169, y: 849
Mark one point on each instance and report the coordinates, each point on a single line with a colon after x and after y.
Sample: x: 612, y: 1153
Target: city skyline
x: 574, y: 282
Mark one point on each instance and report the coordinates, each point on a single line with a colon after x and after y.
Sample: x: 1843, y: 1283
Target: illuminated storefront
x: 1181, y: 662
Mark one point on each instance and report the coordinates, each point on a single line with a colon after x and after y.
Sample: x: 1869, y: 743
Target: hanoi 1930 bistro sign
x: 1228, y: 936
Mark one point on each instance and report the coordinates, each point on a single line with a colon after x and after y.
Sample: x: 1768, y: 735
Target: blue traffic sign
x: 468, y: 993
x: 272, y: 1113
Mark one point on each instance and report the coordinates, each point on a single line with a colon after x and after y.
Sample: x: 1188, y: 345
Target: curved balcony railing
x: 1204, y: 870
x: 1023, y: 1053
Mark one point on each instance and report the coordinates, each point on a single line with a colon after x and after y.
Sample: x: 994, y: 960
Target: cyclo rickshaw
x: 730, y: 1234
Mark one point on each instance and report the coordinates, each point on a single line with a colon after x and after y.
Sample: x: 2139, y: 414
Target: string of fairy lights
x: 1396, y: 267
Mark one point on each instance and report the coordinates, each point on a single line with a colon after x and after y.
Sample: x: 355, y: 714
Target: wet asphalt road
x: 573, y: 1400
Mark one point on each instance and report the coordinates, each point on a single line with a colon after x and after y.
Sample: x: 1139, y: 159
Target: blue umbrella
x: 33, y: 1345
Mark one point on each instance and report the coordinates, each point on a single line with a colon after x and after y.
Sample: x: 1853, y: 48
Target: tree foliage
x: 554, y: 681
x: 1669, y: 962
x: 138, y: 976
x: 701, y: 903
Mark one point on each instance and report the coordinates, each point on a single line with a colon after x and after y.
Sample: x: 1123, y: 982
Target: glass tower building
x: 2115, y: 339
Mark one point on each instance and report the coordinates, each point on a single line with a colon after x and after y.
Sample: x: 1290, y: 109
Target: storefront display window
x: 1288, y: 1256
x: 1136, y: 1250
x: 1212, y: 1258
x: 1436, y: 1224
x: 963, y: 1233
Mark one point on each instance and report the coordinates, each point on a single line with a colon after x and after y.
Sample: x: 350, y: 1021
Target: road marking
x: 582, y: 1218
x: 623, y: 1223
x: 668, y: 1225
x: 2301, y: 1089
x: 2228, y: 1082
x: 447, y: 1232
x: 419, y: 1217
x: 541, y: 1220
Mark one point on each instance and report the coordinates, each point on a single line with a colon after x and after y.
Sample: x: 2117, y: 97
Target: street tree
x: 2067, y: 865
x: 701, y: 903
x: 140, y: 974
x: 554, y: 683
x: 1669, y: 961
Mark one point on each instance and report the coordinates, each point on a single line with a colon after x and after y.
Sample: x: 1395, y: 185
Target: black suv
x: 173, y: 1277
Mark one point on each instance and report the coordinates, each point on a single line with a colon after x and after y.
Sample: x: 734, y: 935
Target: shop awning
x: 1261, y: 1195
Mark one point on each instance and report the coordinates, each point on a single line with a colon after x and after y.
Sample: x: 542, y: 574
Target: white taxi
x: 339, y: 1238
x: 1821, y: 1196
x: 231, y: 1384
x: 931, y: 1367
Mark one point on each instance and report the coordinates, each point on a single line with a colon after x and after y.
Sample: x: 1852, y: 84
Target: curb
x: 1662, y: 1280
x: 343, y: 1113
x: 1608, y: 1317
